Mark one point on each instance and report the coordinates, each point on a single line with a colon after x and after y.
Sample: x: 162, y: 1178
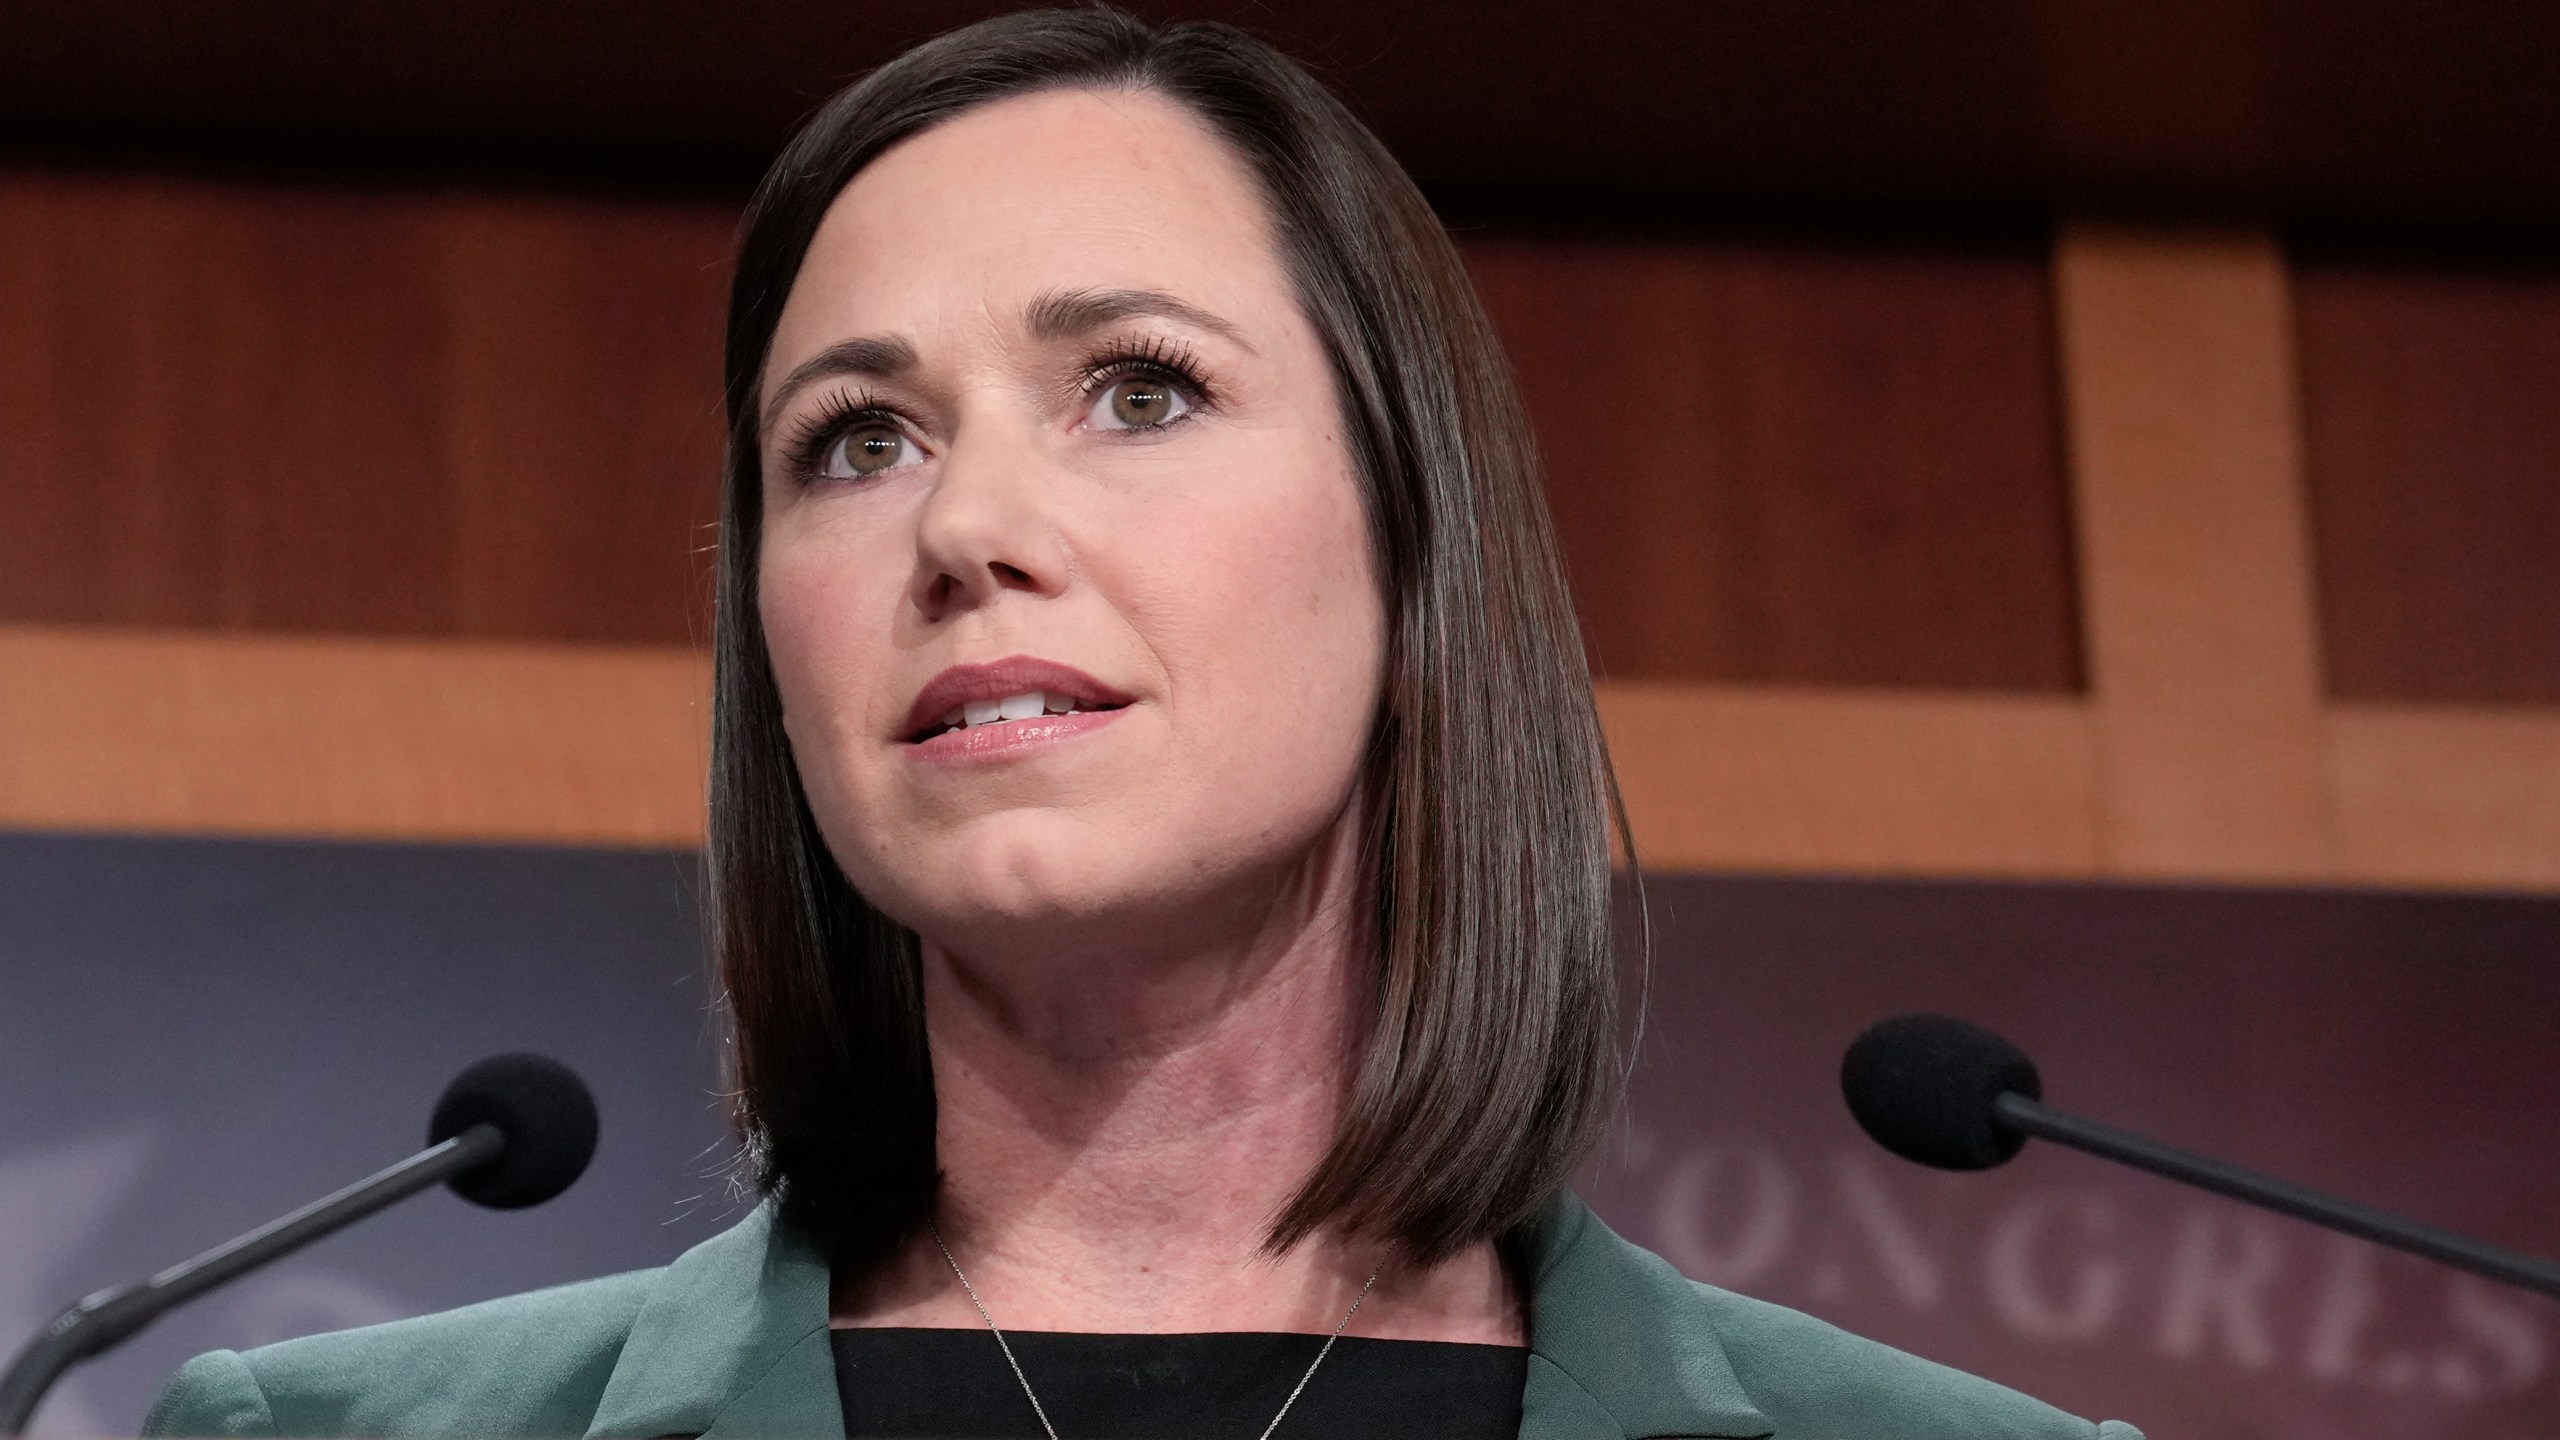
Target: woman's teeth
x: 1028, y: 705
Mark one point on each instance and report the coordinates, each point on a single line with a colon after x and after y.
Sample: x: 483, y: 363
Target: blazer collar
x: 732, y: 1342
x: 1621, y: 1345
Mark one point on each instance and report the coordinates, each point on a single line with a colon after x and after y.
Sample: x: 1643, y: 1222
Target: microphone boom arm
x: 108, y: 1317
x: 2033, y: 1117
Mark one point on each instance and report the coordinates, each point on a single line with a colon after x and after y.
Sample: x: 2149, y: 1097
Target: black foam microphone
x: 1947, y: 1093
x: 511, y: 1131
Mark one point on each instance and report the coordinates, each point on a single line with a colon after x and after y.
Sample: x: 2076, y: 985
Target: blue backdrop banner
x: 198, y: 1035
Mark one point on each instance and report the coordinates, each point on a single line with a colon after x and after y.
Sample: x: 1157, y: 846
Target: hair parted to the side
x: 1491, y: 1058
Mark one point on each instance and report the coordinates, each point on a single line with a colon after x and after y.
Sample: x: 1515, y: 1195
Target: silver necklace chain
x: 1034, y: 1396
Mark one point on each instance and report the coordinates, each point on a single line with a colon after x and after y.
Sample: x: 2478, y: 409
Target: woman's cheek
x: 1301, y: 635
x: 821, y: 656
x: 815, y: 584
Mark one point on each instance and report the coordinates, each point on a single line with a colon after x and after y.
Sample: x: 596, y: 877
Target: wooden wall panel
x: 69, y: 454
x: 2446, y: 795
x: 492, y: 417
x: 206, y: 733
x: 227, y: 734
x: 237, y: 429
x: 2431, y: 409
x: 285, y: 400
x: 585, y: 418
x: 1800, y: 462
x: 2195, y: 576
x: 417, y: 412
x: 1763, y: 778
x: 278, y: 408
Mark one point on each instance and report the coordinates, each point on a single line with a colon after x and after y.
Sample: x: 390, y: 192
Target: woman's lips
x: 1008, y: 738
x: 1003, y: 706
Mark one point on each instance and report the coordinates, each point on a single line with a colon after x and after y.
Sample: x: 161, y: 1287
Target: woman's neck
x: 1117, y: 1135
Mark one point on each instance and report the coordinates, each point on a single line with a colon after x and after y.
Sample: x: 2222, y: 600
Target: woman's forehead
x: 977, y: 220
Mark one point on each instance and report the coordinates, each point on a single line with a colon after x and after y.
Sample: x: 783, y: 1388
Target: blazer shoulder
x: 525, y: 1365
x: 1819, y: 1382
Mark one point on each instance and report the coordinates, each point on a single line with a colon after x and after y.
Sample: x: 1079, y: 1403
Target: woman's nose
x: 986, y: 528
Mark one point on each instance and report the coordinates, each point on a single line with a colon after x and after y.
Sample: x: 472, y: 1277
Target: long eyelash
x: 810, y: 436
x: 1155, y: 356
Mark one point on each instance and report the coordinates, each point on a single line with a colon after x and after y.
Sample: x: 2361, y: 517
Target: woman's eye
x: 1138, y: 402
x: 866, y: 450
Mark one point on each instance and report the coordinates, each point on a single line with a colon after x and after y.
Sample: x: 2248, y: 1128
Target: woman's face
x: 1065, y: 574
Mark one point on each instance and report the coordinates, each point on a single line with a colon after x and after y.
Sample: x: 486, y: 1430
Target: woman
x: 1160, y: 833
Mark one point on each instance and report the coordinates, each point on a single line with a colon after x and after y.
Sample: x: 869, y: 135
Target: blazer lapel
x: 731, y: 1341
x: 1621, y: 1347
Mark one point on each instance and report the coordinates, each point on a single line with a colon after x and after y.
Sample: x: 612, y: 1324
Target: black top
x: 913, y: 1384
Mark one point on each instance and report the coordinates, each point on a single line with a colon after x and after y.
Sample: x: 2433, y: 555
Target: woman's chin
x: 1014, y: 889
x: 1062, y: 908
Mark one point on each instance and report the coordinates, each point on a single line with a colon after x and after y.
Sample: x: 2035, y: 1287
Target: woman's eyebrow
x: 885, y: 356
x: 1065, y: 314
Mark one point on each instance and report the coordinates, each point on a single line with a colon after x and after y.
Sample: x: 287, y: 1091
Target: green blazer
x: 730, y: 1343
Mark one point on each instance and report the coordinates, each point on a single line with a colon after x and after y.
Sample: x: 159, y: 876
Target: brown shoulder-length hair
x: 1490, y: 1060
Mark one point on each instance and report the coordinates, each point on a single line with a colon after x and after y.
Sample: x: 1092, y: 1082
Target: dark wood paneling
x: 2431, y: 404
x: 1799, y: 462
x: 624, y: 406
x: 279, y: 408
x: 419, y: 412
x: 288, y: 398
